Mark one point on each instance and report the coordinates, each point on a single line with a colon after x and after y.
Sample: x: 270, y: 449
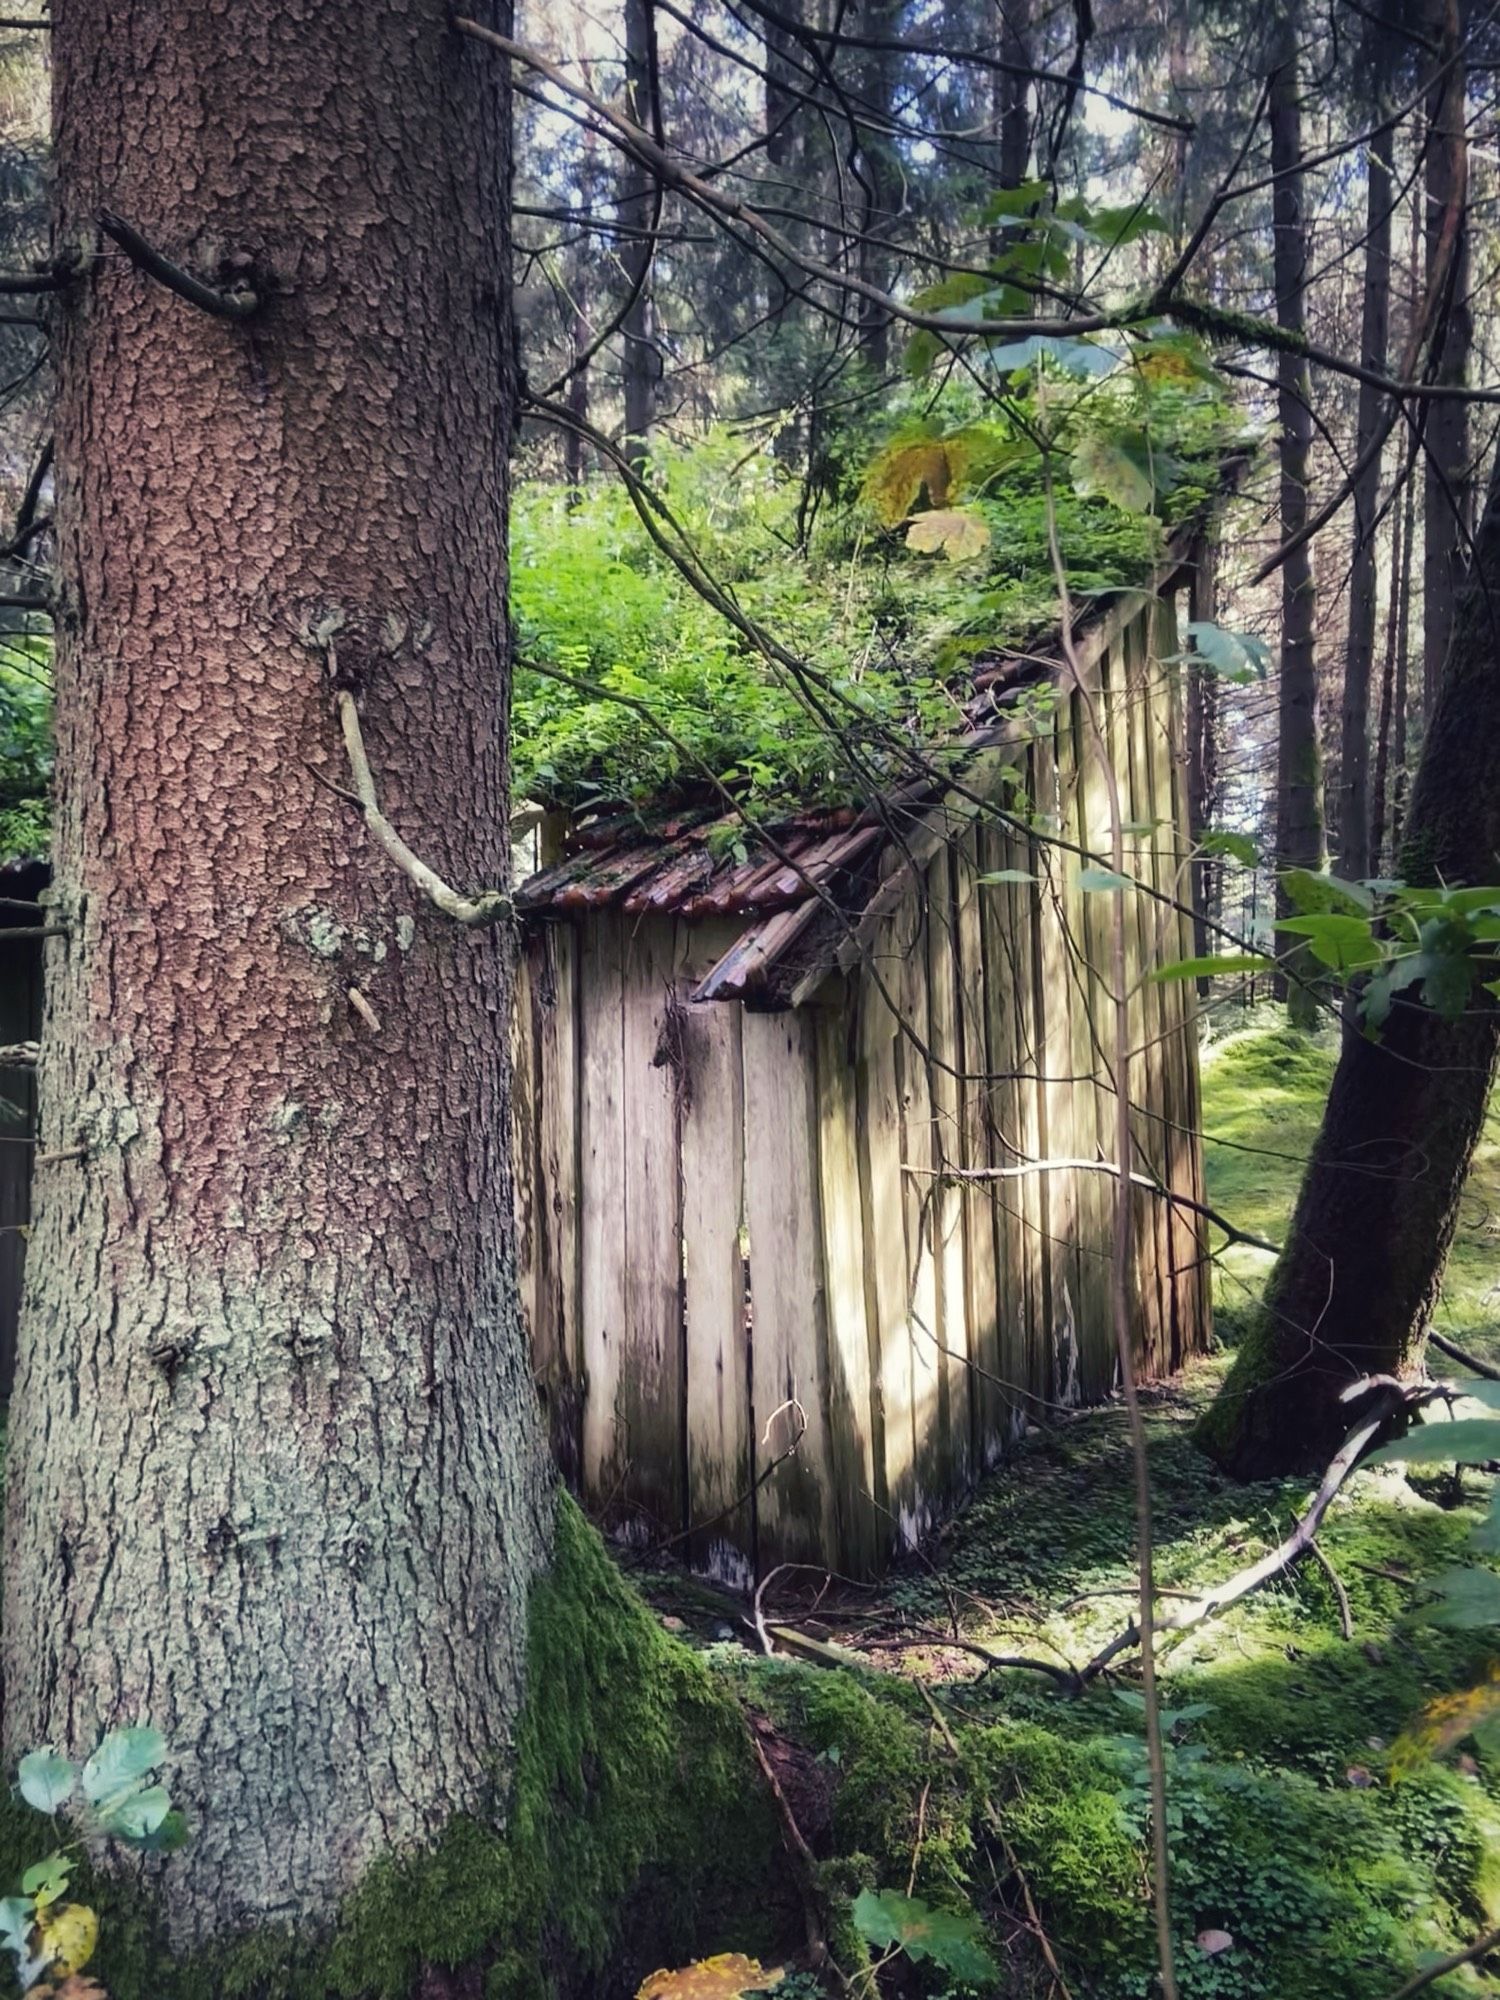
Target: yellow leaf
x: 950, y: 532
x: 1444, y: 1722
x: 897, y: 477
x: 69, y: 1937
x: 726, y: 1976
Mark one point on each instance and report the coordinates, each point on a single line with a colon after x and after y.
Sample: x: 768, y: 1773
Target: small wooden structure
x: 771, y: 1319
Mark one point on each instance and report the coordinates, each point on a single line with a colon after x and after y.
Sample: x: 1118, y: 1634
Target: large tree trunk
x: 1352, y: 1290
x: 1359, y: 655
x: 1299, y: 784
x: 275, y: 1477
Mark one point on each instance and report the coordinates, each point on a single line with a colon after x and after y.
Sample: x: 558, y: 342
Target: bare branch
x: 207, y: 298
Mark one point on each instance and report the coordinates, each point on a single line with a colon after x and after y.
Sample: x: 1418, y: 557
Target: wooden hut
x: 813, y: 1147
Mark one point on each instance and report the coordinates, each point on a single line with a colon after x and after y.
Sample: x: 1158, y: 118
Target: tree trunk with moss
x: 1354, y: 1287
x: 276, y: 1480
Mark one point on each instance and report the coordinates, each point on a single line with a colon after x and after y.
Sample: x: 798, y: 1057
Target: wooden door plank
x: 601, y: 1209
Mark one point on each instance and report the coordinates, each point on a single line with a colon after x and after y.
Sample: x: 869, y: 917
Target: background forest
x: 852, y: 357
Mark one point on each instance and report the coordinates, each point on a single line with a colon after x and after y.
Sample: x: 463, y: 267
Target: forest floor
x: 1318, y: 1851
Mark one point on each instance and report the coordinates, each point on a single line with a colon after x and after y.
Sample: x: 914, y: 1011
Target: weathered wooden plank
x: 1031, y: 1017
x: 719, y: 1444
x: 907, y: 973
x: 650, y: 1395
x: 882, y: 1191
x: 854, y: 1436
x: 796, y: 1518
x: 552, y: 999
x: 601, y: 1208
x: 946, y: 1215
x: 988, y: 1405
x: 525, y: 1095
x: 1007, y: 1005
x: 1058, y: 1133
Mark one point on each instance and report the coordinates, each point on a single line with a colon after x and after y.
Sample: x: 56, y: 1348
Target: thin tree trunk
x: 276, y: 1479
x: 642, y: 367
x: 1446, y: 507
x: 1380, y: 793
x: 574, y: 449
x: 1353, y: 1289
x: 1401, y: 719
x: 1299, y: 803
x: 878, y: 177
x: 1359, y: 655
x: 1011, y: 95
x: 1202, y: 749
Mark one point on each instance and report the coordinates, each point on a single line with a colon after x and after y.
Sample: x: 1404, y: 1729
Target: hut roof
x: 812, y: 881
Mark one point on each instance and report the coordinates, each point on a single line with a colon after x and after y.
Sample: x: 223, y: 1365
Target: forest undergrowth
x: 1320, y: 1847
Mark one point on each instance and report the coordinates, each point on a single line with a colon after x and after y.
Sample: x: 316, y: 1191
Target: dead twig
x: 364, y: 1010
x: 20, y: 1055
x: 491, y: 906
x: 207, y: 298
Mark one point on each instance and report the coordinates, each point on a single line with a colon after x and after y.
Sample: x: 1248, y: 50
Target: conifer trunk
x: 275, y: 1477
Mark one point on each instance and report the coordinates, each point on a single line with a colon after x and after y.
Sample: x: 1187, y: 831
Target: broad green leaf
x: 952, y: 1942
x: 47, y: 1880
x: 46, y: 1780
x: 1024, y: 200
x: 1237, y: 846
x: 949, y: 531
x: 1213, y: 968
x: 1469, y: 1599
x: 1071, y: 357
x: 121, y: 1761
x: 1115, y: 227
x: 1449, y: 983
x: 1343, y: 943
x: 1311, y: 893
x: 1468, y: 1441
x: 1102, y: 881
x: 998, y: 875
x: 1238, y: 656
x: 1119, y: 468
x: 167, y: 1838
x: 138, y: 1815
x: 1486, y: 1535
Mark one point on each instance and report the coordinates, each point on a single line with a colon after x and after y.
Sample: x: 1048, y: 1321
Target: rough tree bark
x: 1359, y: 652
x: 1352, y: 1290
x: 275, y: 1478
x: 1299, y: 784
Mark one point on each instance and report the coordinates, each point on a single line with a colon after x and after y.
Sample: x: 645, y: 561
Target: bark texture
x: 1353, y: 1290
x: 642, y: 362
x: 1299, y: 784
x: 276, y: 1478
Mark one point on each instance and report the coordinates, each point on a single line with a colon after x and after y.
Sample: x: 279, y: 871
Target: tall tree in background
x: 639, y: 212
x: 1446, y: 500
x: 1353, y: 1289
x: 1299, y: 787
x: 1359, y: 655
x: 275, y: 1475
x: 875, y: 165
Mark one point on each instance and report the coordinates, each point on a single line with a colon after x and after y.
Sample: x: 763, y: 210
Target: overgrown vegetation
x: 927, y: 551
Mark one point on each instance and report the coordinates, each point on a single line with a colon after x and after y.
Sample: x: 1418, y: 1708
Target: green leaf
x: 1449, y: 982
x: 1469, y: 1598
x: 1486, y: 1535
x: 47, y: 1879
x: 1102, y: 881
x: 1118, y: 468
x: 953, y: 1942
x: 1311, y: 893
x: 998, y: 875
x: 1238, y: 656
x: 168, y: 1837
x: 1024, y: 200
x: 1213, y: 968
x: 1468, y: 1441
x: 121, y: 1761
x: 1237, y: 846
x: 1115, y: 227
x: 950, y: 531
x: 1071, y: 357
x: 46, y: 1780
x: 138, y: 1815
x: 1343, y: 943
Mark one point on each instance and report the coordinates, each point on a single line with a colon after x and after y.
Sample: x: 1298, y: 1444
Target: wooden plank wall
x: 795, y: 1279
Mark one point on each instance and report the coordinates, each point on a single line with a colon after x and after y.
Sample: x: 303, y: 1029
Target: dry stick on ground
x: 1461, y: 1354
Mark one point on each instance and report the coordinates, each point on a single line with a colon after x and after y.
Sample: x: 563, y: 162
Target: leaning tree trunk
x: 1352, y: 1290
x: 1299, y: 781
x: 275, y: 1475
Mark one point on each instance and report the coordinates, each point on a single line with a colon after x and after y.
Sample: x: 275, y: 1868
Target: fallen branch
x: 207, y: 298
x: 491, y: 906
x: 1462, y: 1355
